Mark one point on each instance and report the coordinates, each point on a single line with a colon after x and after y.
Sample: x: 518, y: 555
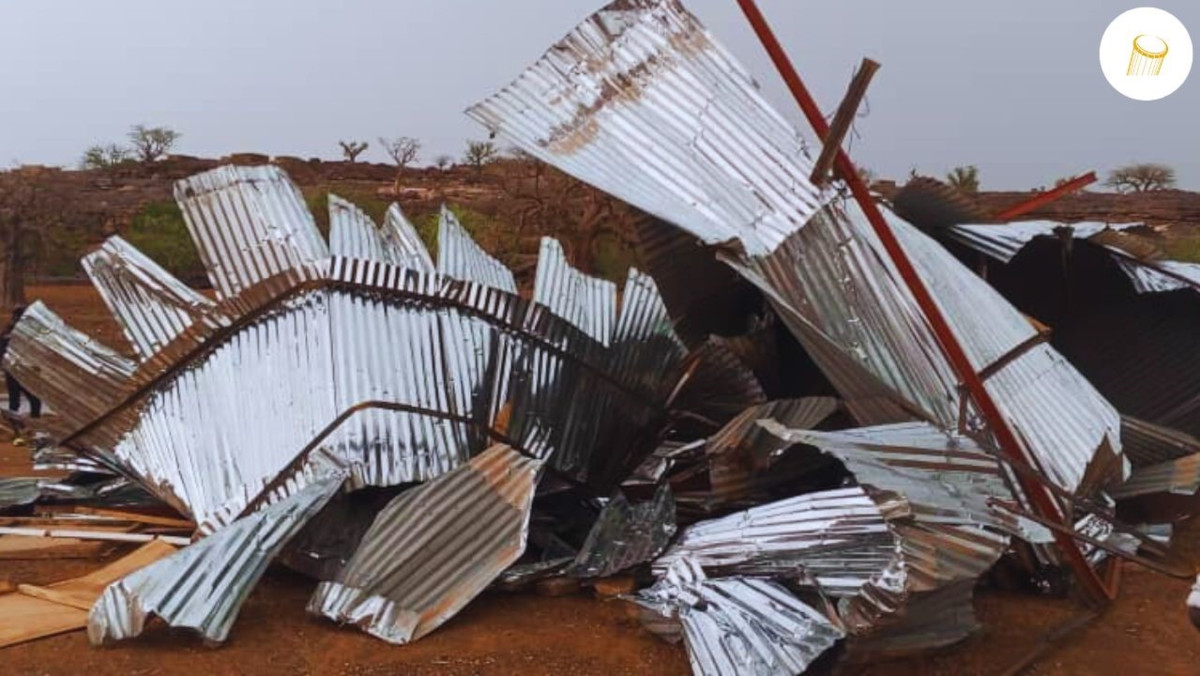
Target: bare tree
x: 103, y: 157
x: 404, y: 151
x: 1142, y: 178
x: 443, y: 162
x: 152, y: 143
x: 965, y: 178
x: 352, y: 149
x: 29, y: 209
x: 479, y: 154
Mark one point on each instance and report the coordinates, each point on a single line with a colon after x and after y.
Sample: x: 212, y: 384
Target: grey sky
x: 1014, y: 87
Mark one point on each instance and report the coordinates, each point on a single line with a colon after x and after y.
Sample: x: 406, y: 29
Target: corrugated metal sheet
x: 835, y: 273
x: 150, y: 305
x: 739, y: 454
x: 352, y: 234
x: 417, y: 371
x: 18, y: 491
x: 1147, y: 444
x: 640, y: 101
x: 1175, y: 477
x: 626, y: 535
x: 434, y: 548
x: 837, y: 540
x: 589, y: 303
x: 461, y: 258
x: 1004, y: 242
x: 930, y: 204
x: 202, y: 587
x: 74, y: 375
x: 250, y: 224
x: 634, y: 102
x: 1149, y: 276
x: 944, y: 478
x: 740, y: 625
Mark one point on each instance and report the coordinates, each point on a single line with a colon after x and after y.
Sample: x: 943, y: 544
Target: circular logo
x: 1146, y: 54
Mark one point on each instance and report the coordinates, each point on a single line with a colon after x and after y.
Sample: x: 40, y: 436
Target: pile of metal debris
x: 813, y: 450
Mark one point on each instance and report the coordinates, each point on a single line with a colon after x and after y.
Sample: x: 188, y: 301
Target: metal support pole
x: 1043, y: 501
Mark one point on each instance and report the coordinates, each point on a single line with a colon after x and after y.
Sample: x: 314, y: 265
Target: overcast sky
x: 1014, y: 87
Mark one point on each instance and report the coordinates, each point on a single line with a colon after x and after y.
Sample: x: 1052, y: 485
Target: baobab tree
x: 1142, y: 178
x: 404, y: 151
x: 479, y: 154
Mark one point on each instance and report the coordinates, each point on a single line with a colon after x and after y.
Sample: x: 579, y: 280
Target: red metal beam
x: 1046, y: 197
x: 1043, y: 501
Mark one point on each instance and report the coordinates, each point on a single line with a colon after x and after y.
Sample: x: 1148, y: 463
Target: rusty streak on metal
x: 1042, y: 499
x: 843, y: 120
x: 1047, y: 197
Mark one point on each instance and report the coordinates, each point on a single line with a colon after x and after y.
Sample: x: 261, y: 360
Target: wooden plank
x: 31, y: 547
x: 842, y: 121
x: 130, y: 516
x: 24, y: 618
x: 36, y: 612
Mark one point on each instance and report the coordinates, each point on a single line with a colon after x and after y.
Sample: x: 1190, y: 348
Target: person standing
x: 14, y: 388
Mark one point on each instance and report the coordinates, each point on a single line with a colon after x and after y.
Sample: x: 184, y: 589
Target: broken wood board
x: 37, y: 612
x: 33, y: 547
x: 131, y: 516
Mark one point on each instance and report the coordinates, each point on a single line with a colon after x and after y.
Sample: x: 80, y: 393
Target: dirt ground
x: 1145, y: 631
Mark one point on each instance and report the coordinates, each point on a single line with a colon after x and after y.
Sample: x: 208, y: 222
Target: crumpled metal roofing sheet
x: 202, y: 587
x: 626, y: 534
x: 250, y: 224
x: 589, y: 303
x: 1175, y: 477
x: 76, y: 376
x: 740, y: 625
x: 320, y: 342
x: 640, y: 101
x: 1054, y: 410
x: 461, y: 258
x: 837, y: 539
x: 151, y: 306
x: 1148, y: 444
x: 18, y: 491
x: 1158, y: 276
x: 352, y: 234
x: 642, y: 76
x: 1003, y: 242
x: 434, y: 548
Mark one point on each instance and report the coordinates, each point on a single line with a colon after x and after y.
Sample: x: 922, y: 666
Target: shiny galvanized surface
x: 626, y: 535
x: 588, y: 303
x: 1004, y: 242
x: 150, y: 305
x: 1150, y: 276
x: 837, y: 540
x: 202, y: 587
x: 461, y: 258
x: 644, y: 70
x: 739, y: 453
x: 835, y: 273
x: 250, y: 224
x: 434, y: 548
x: 944, y: 478
x: 352, y: 234
x: 76, y: 376
x: 460, y: 364
x: 19, y: 491
x: 739, y: 625
x: 1175, y: 477
x: 640, y: 101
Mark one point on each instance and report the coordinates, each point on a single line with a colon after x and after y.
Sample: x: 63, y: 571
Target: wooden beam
x: 843, y: 120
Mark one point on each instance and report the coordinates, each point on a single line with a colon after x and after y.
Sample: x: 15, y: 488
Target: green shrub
x: 159, y: 231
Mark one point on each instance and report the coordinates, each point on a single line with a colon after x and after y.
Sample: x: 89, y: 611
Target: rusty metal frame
x: 1043, y: 501
x: 1075, y: 184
